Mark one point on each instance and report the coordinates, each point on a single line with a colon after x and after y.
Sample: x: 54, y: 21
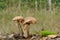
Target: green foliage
x: 25, y: 4
x: 2, y: 4
x: 12, y: 2
x: 45, y: 33
x: 56, y: 2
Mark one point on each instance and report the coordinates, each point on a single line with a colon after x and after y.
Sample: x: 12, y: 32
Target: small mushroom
x: 19, y: 20
x: 26, y: 23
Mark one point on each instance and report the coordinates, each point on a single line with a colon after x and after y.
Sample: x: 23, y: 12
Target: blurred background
x: 47, y: 13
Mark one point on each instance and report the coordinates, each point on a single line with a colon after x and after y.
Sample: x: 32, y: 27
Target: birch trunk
x: 49, y: 3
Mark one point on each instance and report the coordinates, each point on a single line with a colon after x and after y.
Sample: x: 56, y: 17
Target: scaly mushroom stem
x: 26, y: 30
x: 20, y: 28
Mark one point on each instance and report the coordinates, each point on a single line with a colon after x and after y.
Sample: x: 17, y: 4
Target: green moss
x: 45, y: 33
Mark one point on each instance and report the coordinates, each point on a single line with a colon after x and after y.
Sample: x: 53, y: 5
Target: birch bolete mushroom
x: 19, y: 20
x: 26, y: 23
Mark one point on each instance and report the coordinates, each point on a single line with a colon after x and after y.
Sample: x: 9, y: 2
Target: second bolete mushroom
x: 26, y: 23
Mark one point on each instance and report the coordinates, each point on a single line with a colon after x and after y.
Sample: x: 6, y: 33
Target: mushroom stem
x: 20, y: 28
x: 26, y: 30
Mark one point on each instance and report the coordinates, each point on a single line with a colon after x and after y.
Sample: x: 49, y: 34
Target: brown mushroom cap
x: 30, y: 20
x: 18, y: 18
